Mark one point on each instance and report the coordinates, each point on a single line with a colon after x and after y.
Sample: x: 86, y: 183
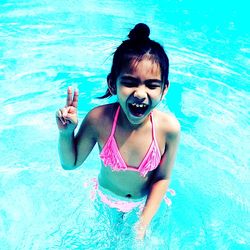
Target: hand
x: 140, y: 230
x: 66, y: 117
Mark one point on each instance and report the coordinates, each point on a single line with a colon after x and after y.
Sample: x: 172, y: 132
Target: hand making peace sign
x: 66, y: 117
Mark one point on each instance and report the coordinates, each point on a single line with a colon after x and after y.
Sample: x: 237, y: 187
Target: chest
x: 133, y: 145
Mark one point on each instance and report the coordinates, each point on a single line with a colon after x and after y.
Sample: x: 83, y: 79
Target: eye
x: 129, y: 83
x: 153, y: 85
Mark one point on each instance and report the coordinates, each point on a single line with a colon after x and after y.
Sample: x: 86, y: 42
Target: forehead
x: 144, y: 66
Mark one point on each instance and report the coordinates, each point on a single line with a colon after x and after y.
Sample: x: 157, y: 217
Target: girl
x: 137, y: 142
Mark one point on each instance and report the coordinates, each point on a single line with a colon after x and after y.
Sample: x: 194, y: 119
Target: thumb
x: 72, y: 118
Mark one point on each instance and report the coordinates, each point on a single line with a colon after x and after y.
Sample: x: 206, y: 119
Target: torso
x: 133, y: 146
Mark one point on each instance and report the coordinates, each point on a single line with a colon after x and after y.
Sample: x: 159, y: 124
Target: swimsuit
x: 122, y: 204
x: 111, y: 156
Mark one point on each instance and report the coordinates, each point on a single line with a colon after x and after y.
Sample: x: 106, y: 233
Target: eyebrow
x: 131, y: 78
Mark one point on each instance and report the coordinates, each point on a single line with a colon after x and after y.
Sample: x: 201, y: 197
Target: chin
x: 137, y: 120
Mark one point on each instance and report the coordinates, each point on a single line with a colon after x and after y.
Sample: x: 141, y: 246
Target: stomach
x: 124, y: 183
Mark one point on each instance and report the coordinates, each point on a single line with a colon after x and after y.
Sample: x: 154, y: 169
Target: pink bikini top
x: 111, y: 156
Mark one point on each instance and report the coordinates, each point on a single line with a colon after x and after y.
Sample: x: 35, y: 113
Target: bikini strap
x: 115, y: 121
x: 153, y: 125
x: 116, y: 118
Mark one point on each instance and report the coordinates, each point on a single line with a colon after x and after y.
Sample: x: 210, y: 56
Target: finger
x: 60, y: 117
x: 69, y: 120
x: 69, y: 96
x: 67, y: 116
x: 58, y: 114
x: 75, y: 98
x: 64, y: 114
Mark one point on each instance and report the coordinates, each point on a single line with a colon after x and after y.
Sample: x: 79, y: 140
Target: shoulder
x: 101, y: 113
x: 100, y: 117
x: 167, y: 123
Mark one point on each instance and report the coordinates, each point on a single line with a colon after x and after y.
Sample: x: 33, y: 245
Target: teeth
x: 139, y: 105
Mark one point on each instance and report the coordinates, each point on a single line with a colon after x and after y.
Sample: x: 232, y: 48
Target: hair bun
x: 140, y: 32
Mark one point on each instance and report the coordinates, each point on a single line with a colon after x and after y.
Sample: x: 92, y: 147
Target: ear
x: 165, y: 90
x: 112, y: 87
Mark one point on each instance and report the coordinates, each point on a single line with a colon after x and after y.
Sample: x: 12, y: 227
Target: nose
x: 140, y: 92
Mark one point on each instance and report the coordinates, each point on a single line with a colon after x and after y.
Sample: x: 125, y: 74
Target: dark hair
x: 136, y: 48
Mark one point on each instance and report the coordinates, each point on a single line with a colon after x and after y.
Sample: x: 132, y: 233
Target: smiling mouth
x: 137, y: 109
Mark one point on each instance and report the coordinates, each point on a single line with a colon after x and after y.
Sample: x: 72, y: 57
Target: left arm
x: 160, y: 182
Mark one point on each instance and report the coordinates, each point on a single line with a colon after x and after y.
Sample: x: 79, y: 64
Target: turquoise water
x: 46, y: 46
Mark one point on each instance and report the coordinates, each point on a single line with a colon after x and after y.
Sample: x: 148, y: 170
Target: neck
x: 123, y: 120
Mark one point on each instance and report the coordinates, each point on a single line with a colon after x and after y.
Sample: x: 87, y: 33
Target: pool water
x: 46, y: 46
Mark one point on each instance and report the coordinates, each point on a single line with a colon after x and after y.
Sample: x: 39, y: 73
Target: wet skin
x: 139, y: 85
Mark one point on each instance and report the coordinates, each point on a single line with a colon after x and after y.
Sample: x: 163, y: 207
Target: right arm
x: 73, y: 150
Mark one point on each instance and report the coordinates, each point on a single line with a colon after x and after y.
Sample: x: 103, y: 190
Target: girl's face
x: 139, y: 90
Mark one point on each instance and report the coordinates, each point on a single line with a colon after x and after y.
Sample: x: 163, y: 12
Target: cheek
x: 123, y: 92
x: 156, y: 95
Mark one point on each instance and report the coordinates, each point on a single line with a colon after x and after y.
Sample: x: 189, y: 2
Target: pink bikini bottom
x: 122, y: 204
